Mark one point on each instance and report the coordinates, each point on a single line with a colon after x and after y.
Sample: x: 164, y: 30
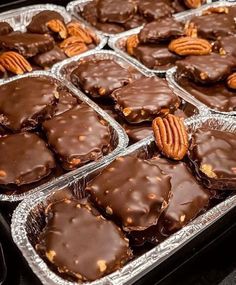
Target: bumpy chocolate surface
x: 47, y: 59
x: 155, y: 56
x: 66, y: 102
x: 27, y: 44
x: 134, y: 22
x: 153, y: 10
x: 39, y: 21
x: 138, y: 132
x: 223, y: 25
x: 77, y: 136
x: 99, y: 78
x: 188, y: 197
x: 5, y: 28
x: 226, y: 45
x: 216, y: 96
x: 89, y: 12
x: 163, y: 30
x: 206, y: 68
x: 109, y: 11
x: 24, y: 159
x: 26, y: 102
x: 133, y: 191
x: 110, y: 28
x: 213, y: 154
x: 67, y: 241
x: 155, y: 98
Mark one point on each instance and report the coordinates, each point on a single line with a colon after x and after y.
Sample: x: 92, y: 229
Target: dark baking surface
x: 209, y: 260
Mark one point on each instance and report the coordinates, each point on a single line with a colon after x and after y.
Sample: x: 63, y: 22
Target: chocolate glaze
x: 162, y: 30
x: 24, y: 159
x: 132, y: 191
x: 77, y: 136
x: 188, y: 197
x: 110, y: 28
x: 153, y: 10
x: 5, y: 28
x: 227, y: 45
x: 134, y: 22
x: 206, y: 68
x: 95, y: 75
x: 27, y: 44
x: 155, y: 98
x: 67, y: 241
x: 26, y: 102
x: 155, y: 56
x: 214, y: 25
x: 89, y: 12
x: 66, y: 102
x: 213, y: 154
x: 111, y: 11
x: 47, y: 59
x: 138, y: 132
x: 39, y: 21
x: 216, y: 96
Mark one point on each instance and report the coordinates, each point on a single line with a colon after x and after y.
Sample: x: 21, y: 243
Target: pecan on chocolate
x: 190, y: 46
x: 192, y: 4
x: 216, y: 10
x: 231, y: 81
x: 14, y: 62
x: 70, y: 41
x: 190, y: 30
x: 57, y: 26
x: 131, y: 43
x: 75, y: 29
x: 75, y: 49
x: 171, y: 136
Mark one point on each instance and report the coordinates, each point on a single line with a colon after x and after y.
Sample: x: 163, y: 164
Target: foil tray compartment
x: 27, y: 221
x: 119, y: 139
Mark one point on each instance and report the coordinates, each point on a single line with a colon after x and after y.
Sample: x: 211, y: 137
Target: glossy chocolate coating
x: 26, y: 102
x: 89, y: 12
x: 155, y: 56
x: 5, y: 28
x: 80, y: 243
x: 100, y: 76
x: 132, y: 191
x: 144, y: 99
x: 214, y: 25
x: 39, y: 21
x: 138, y: 132
x: 113, y: 12
x: 47, y: 59
x: 77, y: 136
x: 213, y: 154
x: 206, y: 68
x: 134, y: 22
x: 27, y: 44
x: 226, y: 45
x: 162, y: 30
x: 66, y: 102
x: 24, y: 159
x: 110, y: 28
x: 153, y: 10
x: 216, y: 96
x: 188, y: 197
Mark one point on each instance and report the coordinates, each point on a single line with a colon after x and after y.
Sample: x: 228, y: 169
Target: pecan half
x: 75, y: 29
x: 14, y: 62
x: 190, y: 46
x: 57, y: 26
x: 70, y: 41
x: 190, y: 30
x: 216, y: 10
x: 192, y: 4
x: 171, y: 136
x: 75, y: 49
x: 231, y: 81
x: 131, y: 43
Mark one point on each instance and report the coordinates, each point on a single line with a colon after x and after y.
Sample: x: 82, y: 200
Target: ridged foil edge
x: 116, y: 128
x: 143, y: 264
x: 19, y: 18
x: 170, y: 77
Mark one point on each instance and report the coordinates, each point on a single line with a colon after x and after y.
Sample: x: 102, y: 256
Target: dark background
x: 208, y: 260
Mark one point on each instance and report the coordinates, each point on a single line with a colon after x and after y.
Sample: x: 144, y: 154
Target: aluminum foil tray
x: 21, y: 17
x: 119, y: 139
x: 27, y: 221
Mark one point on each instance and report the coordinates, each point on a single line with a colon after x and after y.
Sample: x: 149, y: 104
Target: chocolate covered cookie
x: 66, y: 102
x: 77, y: 136
x: 24, y: 159
x: 132, y: 191
x: 47, y: 59
x: 213, y: 155
x: 67, y: 241
x: 26, y: 102
x: 155, y: 98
